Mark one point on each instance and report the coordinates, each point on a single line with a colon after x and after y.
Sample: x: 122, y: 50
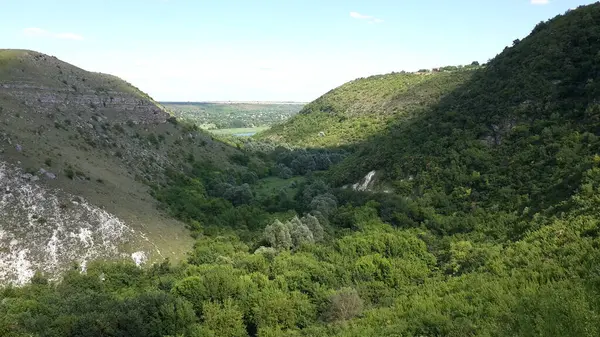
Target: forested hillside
x: 521, y: 133
x: 489, y: 225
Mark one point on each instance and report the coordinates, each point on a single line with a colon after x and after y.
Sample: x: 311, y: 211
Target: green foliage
x: 512, y: 140
x: 278, y: 235
x: 379, y: 280
x: 313, y: 225
x: 344, y: 304
x: 224, y: 319
x: 274, y: 307
x: 70, y: 173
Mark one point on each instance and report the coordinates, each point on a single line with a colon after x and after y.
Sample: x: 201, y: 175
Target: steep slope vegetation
x: 519, y: 135
x: 78, y: 151
x: 365, y: 107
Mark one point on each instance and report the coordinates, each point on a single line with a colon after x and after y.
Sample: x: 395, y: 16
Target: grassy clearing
x: 272, y: 185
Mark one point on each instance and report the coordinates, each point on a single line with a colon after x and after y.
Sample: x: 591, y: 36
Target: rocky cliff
x: 45, y: 230
x: 47, y: 99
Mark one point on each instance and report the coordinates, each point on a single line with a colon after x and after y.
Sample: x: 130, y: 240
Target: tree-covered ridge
x: 366, y: 106
x: 520, y: 132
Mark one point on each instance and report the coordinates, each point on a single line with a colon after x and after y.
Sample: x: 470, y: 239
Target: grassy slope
x: 272, y: 185
x: 112, y: 161
x: 364, y: 107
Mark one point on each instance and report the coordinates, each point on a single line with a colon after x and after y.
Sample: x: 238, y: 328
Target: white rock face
x: 139, y: 258
x: 366, y: 183
x: 42, y: 229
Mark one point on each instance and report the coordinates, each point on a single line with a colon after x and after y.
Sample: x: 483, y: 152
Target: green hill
x: 520, y: 133
x: 365, y: 107
x: 68, y: 133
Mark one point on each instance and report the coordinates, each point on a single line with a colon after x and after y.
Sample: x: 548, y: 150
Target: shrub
x: 152, y: 139
x: 223, y: 319
x: 343, y: 305
x: 240, y: 158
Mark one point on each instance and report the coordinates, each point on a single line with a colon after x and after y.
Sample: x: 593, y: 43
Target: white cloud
x: 369, y: 18
x: 539, y: 2
x: 357, y: 15
x: 39, y: 32
x: 34, y: 32
x: 69, y: 36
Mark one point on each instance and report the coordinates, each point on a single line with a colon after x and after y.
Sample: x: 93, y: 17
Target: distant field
x: 234, y: 115
x: 238, y: 131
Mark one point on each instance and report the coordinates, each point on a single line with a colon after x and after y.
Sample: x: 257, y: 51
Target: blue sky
x: 193, y: 50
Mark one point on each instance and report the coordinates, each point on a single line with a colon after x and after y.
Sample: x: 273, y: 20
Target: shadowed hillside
x: 516, y: 134
x: 520, y: 133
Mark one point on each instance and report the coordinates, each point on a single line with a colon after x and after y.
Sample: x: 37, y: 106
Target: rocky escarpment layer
x: 46, y: 230
x: 121, y: 107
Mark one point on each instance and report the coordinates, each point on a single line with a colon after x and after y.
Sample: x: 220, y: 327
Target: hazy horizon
x: 232, y: 101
